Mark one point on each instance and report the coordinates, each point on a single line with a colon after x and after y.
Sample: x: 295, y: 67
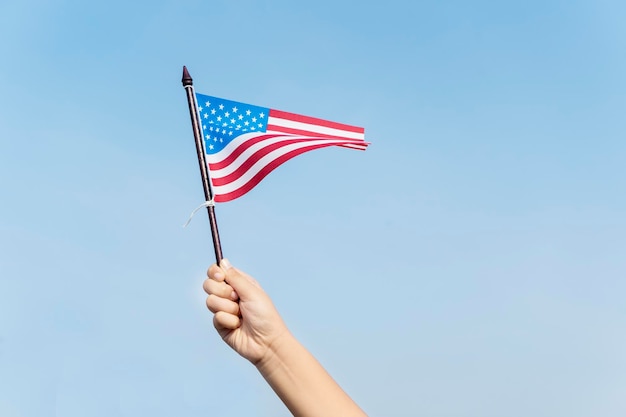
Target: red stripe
x: 248, y: 143
x: 238, y: 151
x: 359, y: 147
x: 292, y: 131
x: 314, y: 121
x: 251, y: 160
x: 221, y: 198
x: 257, y: 156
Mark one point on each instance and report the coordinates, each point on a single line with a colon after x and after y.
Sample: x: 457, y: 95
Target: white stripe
x: 224, y: 153
x: 355, y: 146
x: 228, y: 149
x: 315, y: 128
x: 245, y: 155
x: 262, y: 163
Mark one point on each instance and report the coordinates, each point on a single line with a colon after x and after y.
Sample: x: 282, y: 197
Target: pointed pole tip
x: 187, y: 80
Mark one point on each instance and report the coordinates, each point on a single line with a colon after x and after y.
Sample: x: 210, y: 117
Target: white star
x: 221, y: 140
x: 208, y: 137
x: 238, y: 126
x: 262, y: 115
x: 212, y: 111
x: 200, y: 109
x: 224, y: 131
x: 211, y: 146
x: 227, y: 114
x: 252, y: 128
x: 240, y: 116
x: 206, y: 116
x: 235, y: 109
x: 248, y: 112
x: 211, y: 128
x: 260, y: 125
x: 230, y: 133
x: 232, y: 121
x: 224, y: 124
x: 254, y: 119
x: 208, y: 104
x: 221, y: 107
x: 215, y: 139
x: 219, y: 118
x: 246, y: 123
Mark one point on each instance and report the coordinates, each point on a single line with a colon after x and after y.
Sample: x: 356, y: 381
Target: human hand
x: 244, y: 315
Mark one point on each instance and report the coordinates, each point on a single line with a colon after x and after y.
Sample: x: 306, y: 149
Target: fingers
x: 216, y: 304
x: 220, y: 289
x: 238, y: 281
x: 243, y: 284
x: 225, y: 321
x: 216, y: 273
x: 222, y: 297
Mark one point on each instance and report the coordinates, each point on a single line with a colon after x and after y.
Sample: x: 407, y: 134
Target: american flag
x: 243, y: 143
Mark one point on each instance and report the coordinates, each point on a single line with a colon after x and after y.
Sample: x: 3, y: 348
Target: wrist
x: 274, y: 356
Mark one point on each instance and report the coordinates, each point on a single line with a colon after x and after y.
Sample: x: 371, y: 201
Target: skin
x: 246, y: 319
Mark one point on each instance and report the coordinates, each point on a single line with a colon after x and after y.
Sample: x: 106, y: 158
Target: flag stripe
x: 358, y: 146
x: 314, y: 121
x: 248, y: 161
x: 224, y: 194
x: 260, y: 157
x: 321, y: 132
x: 244, y: 146
x: 234, y: 149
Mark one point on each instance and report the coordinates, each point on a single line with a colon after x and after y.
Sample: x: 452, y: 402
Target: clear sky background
x: 471, y: 262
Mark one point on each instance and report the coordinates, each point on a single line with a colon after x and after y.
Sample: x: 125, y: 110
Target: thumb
x: 243, y: 284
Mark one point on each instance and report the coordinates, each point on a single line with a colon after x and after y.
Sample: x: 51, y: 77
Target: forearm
x: 303, y: 384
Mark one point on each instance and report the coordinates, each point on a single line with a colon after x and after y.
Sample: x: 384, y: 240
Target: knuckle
x: 226, y: 320
x: 218, y: 304
x: 225, y: 291
x: 206, y: 285
x: 213, y: 269
x: 211, y: 303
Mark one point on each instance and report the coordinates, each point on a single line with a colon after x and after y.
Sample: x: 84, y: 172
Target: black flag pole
x: 204, y: 171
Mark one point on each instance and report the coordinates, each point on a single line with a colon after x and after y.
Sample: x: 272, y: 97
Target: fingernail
x: 218, y: 276
x: 225, y: 264
x: 234, y: 296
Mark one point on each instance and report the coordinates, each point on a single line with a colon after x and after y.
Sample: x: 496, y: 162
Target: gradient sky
x: 471, y: 262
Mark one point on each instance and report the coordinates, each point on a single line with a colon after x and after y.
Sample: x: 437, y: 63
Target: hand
x: 247, y: 320
x: 244, y: 315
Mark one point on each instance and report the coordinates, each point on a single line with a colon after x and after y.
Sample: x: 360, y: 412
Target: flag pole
x: 204, y: 171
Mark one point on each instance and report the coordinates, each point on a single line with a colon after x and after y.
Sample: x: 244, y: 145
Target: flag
x: 244, y: 143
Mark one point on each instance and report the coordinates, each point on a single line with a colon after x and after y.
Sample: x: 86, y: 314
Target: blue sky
x: 470, y: 263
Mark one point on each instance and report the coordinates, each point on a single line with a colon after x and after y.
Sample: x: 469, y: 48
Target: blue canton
x: 224, y: 120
